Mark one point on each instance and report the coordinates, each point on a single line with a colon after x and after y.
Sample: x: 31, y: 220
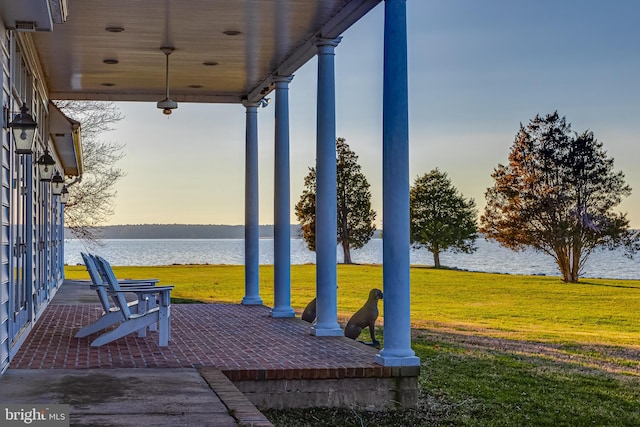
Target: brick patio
x: 243, y: 342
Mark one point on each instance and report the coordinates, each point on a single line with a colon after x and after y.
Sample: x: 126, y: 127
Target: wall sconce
x: 45, y: 165
x: 23, y: 128
x: 57, y: 184
x: 64, y: 196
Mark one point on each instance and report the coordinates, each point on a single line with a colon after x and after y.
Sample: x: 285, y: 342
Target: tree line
x: 557, y: 194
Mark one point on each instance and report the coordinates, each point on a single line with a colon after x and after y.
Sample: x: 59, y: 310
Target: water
x: 490, y: 257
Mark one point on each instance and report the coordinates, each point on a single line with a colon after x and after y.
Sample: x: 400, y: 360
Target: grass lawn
x: 496, y: 350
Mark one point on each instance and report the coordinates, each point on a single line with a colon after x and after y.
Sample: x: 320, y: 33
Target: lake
x: 490, y: 257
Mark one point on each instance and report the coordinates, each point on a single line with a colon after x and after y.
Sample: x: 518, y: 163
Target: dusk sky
x: 477, y: 69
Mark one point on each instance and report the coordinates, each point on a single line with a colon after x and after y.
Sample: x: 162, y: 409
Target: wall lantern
x: 57, y: 184
x: 24, y: 130
x: 64, y: 196
x: 45, y: 165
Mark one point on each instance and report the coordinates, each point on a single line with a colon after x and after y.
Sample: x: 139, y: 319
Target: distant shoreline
x: 181, y: 231
x: 185, y: 231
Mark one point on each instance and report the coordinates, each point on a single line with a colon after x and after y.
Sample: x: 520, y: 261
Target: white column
x: 251, y: 210
x: 326, y: 198
x: 282, y: 231
x: 395, y: 193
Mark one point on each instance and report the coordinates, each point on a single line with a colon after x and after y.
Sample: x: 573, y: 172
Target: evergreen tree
x: 354, y: 216
x: 557, y: 195
x: 306, y: 210
x: 441, y: 218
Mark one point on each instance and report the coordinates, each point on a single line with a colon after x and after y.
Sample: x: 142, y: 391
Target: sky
x: 477, y: 69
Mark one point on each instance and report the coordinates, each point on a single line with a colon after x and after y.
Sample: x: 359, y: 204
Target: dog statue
x: 309, y: 313
x: 365, y: 317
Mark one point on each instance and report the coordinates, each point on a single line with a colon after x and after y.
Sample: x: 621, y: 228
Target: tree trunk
x: 347, y: 252
x: 436, y: 258
x: 576, y: 251
x: 343, y: 232
x: 568, y: 269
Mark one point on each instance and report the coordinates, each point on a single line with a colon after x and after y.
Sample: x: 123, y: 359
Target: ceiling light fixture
x: 167, y: 104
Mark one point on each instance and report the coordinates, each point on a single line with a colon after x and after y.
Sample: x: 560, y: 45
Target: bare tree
x: 91, y: 195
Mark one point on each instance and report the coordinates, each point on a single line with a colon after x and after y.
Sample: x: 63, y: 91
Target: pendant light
x: 167, y: 104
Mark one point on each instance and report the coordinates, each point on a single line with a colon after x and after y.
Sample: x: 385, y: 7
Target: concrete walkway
x: 121, y: 397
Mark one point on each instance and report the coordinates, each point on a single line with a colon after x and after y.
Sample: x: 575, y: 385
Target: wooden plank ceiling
x: 225, y: 50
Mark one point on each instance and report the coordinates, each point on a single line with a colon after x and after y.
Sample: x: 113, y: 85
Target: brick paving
x: 244, y: 342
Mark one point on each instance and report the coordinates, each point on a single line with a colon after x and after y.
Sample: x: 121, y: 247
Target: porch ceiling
x: 276, y: 37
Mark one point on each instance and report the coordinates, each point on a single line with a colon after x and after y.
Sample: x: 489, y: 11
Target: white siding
x: 43, y: 269
x: 5, y: 197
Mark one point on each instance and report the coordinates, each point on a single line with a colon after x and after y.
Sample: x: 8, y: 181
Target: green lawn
x: 496, y: 350
x: 499, y: 305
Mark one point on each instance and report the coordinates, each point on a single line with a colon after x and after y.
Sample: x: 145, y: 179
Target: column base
x: 327, y: 331
x: 396, y: 360
x: 251, y: 301
x: 282, y: 312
